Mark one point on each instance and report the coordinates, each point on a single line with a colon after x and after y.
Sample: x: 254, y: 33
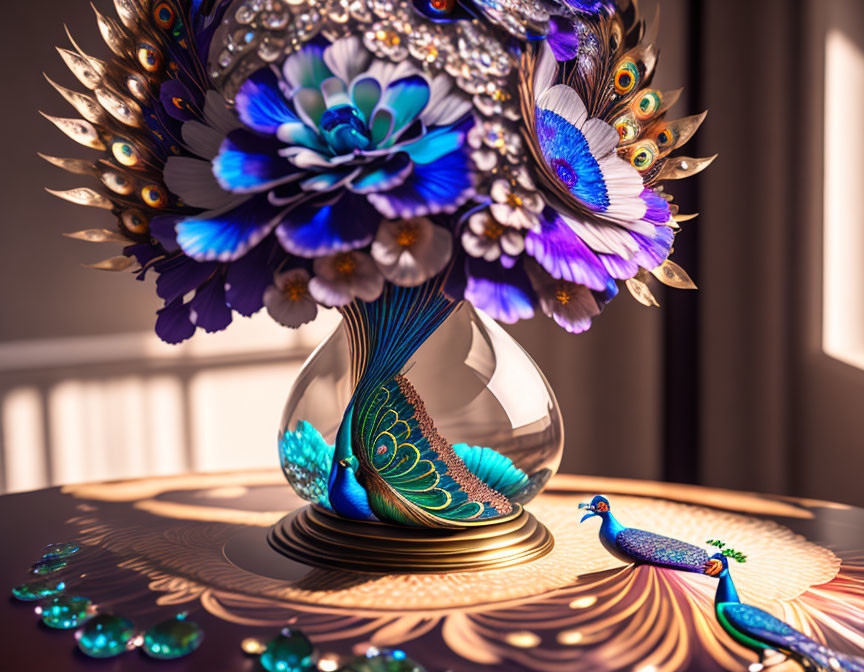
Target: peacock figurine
x: 761, y: 632
x: 388, y: 160
x: 642, y: 547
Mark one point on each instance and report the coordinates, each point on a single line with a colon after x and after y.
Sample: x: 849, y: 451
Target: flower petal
x: 441, y: 186
x: 306, y: 68
x: 388, y: 176
x: 180, y: 275
x: 208, y: 309
x: 315, y: 230
x: 287, y: 312
x: 249, y: 276
x: 194, y: 182
x: 347, y: 58
x: 506, y: 295
x: 173, y: 324
x: 564, y: 255
x: 260, y: 103
x: 365, y: 94
x: 310, y: 105
x: 248, y: 164
x: 228, y: 235
x: 438, y: 142
x: 407, y: 98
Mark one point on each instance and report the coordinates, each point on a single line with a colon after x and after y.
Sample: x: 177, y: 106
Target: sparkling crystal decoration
x: 48, y: 565
x: 38, y: 589
x: 387, y: 660
x: 63, y: 550
x: 105, y: 636
x: 66, y: 612
x: 291, y: 651
x: 174, y: 638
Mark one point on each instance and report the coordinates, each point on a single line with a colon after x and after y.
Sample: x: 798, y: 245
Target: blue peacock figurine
x: 642, y: 547
x: 760, y: 631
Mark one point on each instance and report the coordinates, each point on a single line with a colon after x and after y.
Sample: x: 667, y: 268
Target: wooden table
x: 197, y: 543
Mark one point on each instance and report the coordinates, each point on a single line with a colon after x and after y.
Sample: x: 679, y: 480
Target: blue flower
x: 330, y: 145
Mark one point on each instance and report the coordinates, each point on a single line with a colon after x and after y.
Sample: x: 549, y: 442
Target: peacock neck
x: 385, y: 333
x: 726, y: 589
x: 343, y: 437
x: 611, y: 528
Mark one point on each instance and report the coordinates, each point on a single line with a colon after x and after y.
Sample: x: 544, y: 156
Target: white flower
x: 288, y: 300
x: 487, y: 239
x: 411, y: 251
x: 514, y: 205
x: 341, y: 278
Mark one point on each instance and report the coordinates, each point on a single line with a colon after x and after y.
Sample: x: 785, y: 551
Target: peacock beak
x: 590, y: 513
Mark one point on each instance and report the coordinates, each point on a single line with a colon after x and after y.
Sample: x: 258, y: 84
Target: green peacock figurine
x: 761, y: 632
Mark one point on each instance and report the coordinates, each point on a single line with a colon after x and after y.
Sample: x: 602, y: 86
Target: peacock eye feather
x: 154, y: 196
x: 647, y: 104
x: 135, y: 222
x: 125, y: 153
x: 137, y: 87
x: 666, y: 138
x: 118, y: 183
x: 644, y: 156
x: 163, y: 15
x: 626, y: 77
x: 628, y: 129
x: 149, y: 57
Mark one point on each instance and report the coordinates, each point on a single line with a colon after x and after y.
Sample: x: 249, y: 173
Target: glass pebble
x: 38, y: 589
x: 289, y: 652
x: 389, y: 660
x: 105, y: 636
x: 65, y: 613
x: 173, y: 638
x: 60, y: 550
x: 48, y: 566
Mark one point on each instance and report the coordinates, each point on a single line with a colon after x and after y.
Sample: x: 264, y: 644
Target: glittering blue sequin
x: 647, y: 547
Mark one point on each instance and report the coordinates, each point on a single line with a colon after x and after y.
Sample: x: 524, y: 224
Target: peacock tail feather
x: 133, y: 114
x: 494, y: 469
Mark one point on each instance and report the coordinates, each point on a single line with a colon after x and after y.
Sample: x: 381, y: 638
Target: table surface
x: 197, y: 543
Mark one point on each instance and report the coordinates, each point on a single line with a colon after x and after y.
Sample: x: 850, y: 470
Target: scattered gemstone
x: 105, y: 636
x: 38, y: 589
x: 60, y: 550
x: 48, y: 566
x: 65, y: 613
x: 173, y: 638
x: 384, y: 660
x: 289, y: 652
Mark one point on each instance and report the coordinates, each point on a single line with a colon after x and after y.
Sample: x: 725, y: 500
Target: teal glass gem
x: 289, y: 652
x: 66, y: 612
x: 385, y: 660
x: 38, y: 589
x: 105, y: 636
x: 173, y: 638
x: 60, y: 550
x: 48, y: 566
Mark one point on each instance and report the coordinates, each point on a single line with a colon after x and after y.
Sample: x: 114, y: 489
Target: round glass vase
x: 478, y: 390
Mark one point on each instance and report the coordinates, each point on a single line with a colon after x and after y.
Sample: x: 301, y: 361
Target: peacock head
x: 717, y: 565
x: 599, y: 506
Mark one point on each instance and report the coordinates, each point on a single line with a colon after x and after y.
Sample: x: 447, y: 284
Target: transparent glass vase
x: 484, y: 398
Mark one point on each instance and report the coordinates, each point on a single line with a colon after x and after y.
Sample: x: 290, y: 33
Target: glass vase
x: 464, y: 426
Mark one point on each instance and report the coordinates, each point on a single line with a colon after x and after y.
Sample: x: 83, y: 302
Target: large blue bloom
x: 330, y: 145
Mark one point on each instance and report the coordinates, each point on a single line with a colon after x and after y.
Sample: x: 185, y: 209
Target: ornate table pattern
x: 154, y: 547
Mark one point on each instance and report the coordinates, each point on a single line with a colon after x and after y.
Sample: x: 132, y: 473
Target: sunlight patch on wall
x: 843, y: 272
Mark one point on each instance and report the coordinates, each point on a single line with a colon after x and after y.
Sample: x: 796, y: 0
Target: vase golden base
x: 317, y: 537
